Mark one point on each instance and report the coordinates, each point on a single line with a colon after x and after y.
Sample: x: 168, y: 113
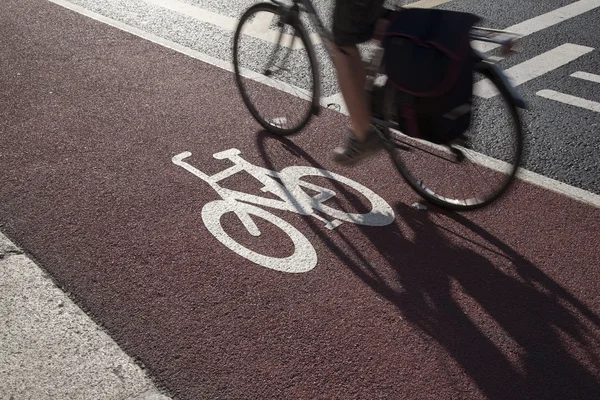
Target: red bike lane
x: 500, y: 303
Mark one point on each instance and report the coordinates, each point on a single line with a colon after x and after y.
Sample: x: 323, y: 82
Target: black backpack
x: 428, y: 62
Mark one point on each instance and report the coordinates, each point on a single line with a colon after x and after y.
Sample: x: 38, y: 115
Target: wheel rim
x: 285, y: 105
x: 470, y: 174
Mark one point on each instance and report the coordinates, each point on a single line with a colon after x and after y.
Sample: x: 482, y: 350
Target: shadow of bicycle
x: 545, y: 344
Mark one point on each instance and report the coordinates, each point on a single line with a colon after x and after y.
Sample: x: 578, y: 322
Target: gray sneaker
x: 354, y: 150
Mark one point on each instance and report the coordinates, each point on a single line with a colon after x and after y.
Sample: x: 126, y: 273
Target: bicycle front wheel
x: 271, y: 47
x: 473, y: 173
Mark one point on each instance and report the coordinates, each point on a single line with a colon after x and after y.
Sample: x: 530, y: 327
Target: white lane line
x: 555, y: 186
x: 538, y: 180
x: 544, y: 21
x: 427, y: 3
x: 200, y: 14
x: 259, y: 28
x: 571, y: 100
x: 225, y: 65
x: 535, y: 67
x: 531, y: 177
x: 262, y: 22
x: 587, y: 76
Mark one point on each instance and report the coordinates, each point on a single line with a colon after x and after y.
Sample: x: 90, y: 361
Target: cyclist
x: 354, y: 22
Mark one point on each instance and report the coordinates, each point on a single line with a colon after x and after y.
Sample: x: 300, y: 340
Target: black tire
x: 400, y: 150
x: 311, y: 95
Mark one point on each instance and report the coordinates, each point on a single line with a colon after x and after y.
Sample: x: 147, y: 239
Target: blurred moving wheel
x: 271, y: 47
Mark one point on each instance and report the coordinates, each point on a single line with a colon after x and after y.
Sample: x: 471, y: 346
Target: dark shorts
x: 354, y: 20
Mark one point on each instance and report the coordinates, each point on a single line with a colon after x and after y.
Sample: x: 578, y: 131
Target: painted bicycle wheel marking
x: 291, y: 197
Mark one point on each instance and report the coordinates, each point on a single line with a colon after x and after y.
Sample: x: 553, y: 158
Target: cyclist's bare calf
x: 351, y: 78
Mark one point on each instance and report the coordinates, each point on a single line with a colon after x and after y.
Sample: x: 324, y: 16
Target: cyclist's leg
x: 351, y: 79
x: 353, y: 23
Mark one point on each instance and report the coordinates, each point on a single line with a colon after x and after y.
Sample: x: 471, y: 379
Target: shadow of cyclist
x: 459, y: 298
x: 543, y: 320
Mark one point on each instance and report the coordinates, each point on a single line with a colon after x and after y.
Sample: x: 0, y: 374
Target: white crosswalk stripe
x: 535, y: 67
x: 569, y: 99
x: 545, y: 21
x: 587, y: 76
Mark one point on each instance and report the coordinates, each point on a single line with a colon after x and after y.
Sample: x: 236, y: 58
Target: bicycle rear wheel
x: 469, y: 174
x: 271, y: 47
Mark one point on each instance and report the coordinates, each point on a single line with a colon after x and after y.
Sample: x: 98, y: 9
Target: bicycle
x: 268, y: 25
x: 291, y: 196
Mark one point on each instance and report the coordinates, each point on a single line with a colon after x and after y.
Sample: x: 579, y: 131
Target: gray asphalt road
x: 563, y: 140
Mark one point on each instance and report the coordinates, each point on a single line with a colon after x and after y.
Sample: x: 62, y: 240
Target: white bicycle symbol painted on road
x: 292, y: 198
